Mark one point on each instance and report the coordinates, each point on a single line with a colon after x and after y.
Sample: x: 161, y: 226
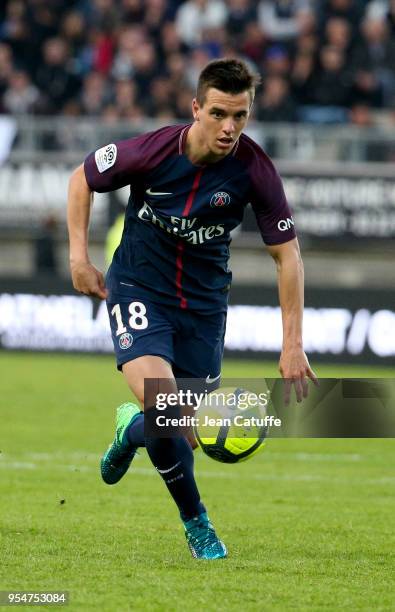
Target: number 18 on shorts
x: 192, y: 342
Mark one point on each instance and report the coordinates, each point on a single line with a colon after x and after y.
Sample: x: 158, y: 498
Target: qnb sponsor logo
x: 285, y: 224
x: 189, y: 229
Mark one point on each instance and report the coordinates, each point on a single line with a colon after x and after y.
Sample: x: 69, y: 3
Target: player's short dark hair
x: 228, y: 75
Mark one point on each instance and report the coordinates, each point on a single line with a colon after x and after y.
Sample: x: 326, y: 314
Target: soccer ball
x: 230, y: 424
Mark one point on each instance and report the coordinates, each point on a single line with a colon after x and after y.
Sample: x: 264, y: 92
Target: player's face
x: 222, y: 117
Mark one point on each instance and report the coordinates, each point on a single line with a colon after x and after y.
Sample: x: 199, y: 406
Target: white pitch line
x: 319, y: 456
x: 298, y: 456
x: 142, y: 471
x: 18, y: 465
x: 77, y: 455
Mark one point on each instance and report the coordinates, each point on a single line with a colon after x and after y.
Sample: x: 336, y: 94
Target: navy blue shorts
x: 192, y: 343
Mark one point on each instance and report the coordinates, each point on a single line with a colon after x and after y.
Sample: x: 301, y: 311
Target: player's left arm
x: 276, y: 224
x: 294, y: 365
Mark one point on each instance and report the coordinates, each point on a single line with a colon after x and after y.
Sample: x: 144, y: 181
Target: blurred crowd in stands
x: 321, y: 61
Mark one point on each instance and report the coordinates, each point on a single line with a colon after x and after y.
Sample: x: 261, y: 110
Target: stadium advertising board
x: 29, y: 191
x: 346, y: 326
x: 337, y: 202
x: 331, y: 202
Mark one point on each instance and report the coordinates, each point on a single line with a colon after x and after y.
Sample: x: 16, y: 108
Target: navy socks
x: 135, y: 432
x: 173, y: 458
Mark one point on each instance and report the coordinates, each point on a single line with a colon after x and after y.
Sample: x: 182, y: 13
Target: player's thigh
x: 147, y: 376
x: 143, y: 338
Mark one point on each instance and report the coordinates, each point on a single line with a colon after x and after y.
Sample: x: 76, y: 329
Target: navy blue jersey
x: 175, y: 243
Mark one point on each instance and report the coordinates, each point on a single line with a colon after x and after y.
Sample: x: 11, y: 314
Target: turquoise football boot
x: 202, y: 539
x: 117, y: 459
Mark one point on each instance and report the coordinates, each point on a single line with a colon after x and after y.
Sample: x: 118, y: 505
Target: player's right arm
x: 86, y: 278
x: 110, y: 167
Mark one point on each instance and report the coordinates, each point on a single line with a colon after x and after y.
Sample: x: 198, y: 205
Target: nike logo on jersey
x: 157, y: 193
x: 211, y: 380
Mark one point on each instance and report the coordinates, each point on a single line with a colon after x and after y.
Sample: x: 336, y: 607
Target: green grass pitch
x: 308, y: 523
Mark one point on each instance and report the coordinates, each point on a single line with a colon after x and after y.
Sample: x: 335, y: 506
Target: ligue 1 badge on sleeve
x: 125, y: 341
x: 220, y: 199
x: 106, y: 157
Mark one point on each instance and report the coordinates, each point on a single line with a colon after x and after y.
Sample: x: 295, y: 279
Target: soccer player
x: 167, y: 287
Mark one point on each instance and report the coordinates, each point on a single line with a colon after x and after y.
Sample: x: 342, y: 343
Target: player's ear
x: 195, y: 109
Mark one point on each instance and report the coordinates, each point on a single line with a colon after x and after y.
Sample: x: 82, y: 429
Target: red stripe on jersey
x: 179, y: 266
x: 192, y: 193
x: 181, y: 244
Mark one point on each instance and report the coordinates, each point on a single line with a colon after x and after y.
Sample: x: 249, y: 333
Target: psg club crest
x: 220, y: 199
x: 125, y: 341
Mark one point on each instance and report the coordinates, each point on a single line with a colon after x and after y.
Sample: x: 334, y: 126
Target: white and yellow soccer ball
x: 231, y: 424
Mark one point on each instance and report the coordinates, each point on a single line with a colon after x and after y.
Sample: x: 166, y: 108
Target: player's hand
x: 88, y: 280
x: 295, y: 369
